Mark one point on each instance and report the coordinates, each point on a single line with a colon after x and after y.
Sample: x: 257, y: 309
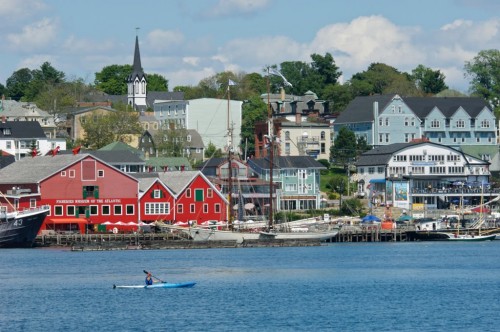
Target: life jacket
x: 149, y: 281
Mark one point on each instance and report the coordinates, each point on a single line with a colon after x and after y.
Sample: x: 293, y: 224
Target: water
x: 420, y: 286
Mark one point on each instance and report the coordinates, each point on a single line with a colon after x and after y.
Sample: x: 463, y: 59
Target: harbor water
x: 402, y: 286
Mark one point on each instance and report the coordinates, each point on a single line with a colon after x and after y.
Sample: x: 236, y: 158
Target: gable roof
x: 34, y: 170
x: 361, y: 108
x: 120, y: 146
x: 118, y: 157
x: 21, y: 129
x: 168, y: 161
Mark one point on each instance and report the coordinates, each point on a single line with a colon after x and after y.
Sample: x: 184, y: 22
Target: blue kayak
x: 161, y: 285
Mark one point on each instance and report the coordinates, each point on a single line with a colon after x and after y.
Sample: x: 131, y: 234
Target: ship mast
x: 270, y: 132
x: 229, y: 158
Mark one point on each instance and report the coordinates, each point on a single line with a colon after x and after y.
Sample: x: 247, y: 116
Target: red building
x: 196, y: 198
x: 80, y: 189
x: 156, y: 200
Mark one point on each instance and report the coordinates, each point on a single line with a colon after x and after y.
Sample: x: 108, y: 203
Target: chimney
x: 4, y: 119
x: 282, y: 93
x: 298, y: 118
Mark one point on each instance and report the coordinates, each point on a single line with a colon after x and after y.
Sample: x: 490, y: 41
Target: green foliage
x: 351, y: 207
x: 344, y: 148
x: 339, y: 95
x: 18, y: 82
x: 156, y: 82
x: 254, y: 110
x: 338, y: 184
x: 325, y: 163
x: 428, y: 81
x: 380, y: 78
x: 484, y: 74
x: 171, y: 141
x: 212, y: 152
x: 101, y: 130
x: 113, y: 79
x: 43, y: 78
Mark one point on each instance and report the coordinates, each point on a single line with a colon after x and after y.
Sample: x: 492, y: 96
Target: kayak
x: 161, y: 285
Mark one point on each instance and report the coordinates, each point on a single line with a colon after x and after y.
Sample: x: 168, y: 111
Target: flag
x: 165, y: 168
x: 55, y: 151
x: 231, y: 82
x: 34, y: 153
x: 182, y: 168
x: 77, y: 149
x: 277, y: 73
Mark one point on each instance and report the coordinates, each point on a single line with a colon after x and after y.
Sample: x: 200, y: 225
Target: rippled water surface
x: 424, y: 286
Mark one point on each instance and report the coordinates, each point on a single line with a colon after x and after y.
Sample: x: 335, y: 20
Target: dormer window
x: 189, y: 138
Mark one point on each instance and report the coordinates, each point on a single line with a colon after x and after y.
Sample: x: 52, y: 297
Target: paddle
x: 164, y: 282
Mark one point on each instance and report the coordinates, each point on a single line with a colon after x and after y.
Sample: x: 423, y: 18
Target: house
x: 25, y: 111
x: 167, y: 164
x: 296, y: 179
x: 436, y: 174
x: 81, y: 190
x: 249, y: 195
x: 298, y: 125
x: 388, y: 119
x: 22, y: 138
x: 209, y: 117
x: 156, y: 200
x: 76, y: 116
x: 197, y: 199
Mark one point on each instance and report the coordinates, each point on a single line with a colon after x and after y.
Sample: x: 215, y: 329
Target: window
x: 94, y: 210
x: 70, y: 210
x: 485, y: 124
x: 188, y: 193
x: 371, y: 170
x: 387, y: 138
x: 460, y: 124
x: 71, y: 173
x: 117, y: 210
x: 287, y: 135
x: 217, y: 208
x: 380, y: 138
x: 192, y: 208
x: 106, y: 210
x: 100, y: 173
x: 63, y: 173
x: 58, y: 210
x: 156, y: 208
x: 387, y: 122
x: 322, y: 135
x: 157, y: 193
x: 407, y: 138
x: 180, y: 208
x: 210, y: 192
x: 205, y: 208
x: 32, y: 203
x: 435, y: 123
x: 287, y: 149
x: 323, y: 148
x: 380, y: 170
x: 407, y: 123
x: 90, y: 191
x: 129, y: 209
x: 290, y: 187
x: 380, y: 122
x: 198, y: 195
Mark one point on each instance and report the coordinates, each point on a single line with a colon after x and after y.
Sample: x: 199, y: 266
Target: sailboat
x: 240, y: 235
x: 468, y: 236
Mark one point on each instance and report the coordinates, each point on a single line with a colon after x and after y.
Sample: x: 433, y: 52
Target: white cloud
x: 36, y: 36
x: 13, y: 10
x: 161, y: 40
x: 365, y: 40
x: 191, y: 60
x: 188, y: 77
x: 74, y: 45
x: 235, y: 7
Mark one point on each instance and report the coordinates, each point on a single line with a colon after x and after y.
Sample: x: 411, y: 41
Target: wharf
x: 372, y: 234
x: 148, y: 241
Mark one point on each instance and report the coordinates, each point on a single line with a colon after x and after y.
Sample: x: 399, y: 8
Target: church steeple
x: 136, y: 81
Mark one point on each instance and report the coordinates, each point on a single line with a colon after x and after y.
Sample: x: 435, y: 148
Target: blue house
x: 388, y: 119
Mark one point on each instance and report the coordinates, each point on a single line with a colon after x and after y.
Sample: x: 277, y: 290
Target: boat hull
x: 321, y: 236
x: 472, y: 238
x: 19, y: 229
x: 160, y: 285
x: 207, y: 234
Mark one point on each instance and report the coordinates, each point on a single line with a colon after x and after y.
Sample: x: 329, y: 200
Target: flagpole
x: 271, y: 152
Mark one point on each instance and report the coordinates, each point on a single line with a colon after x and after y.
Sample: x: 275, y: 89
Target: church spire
x: 136, y: 81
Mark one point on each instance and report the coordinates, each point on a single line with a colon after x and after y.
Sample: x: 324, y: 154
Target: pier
x: 169, y: 240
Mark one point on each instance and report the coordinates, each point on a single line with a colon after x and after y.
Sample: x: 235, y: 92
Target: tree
x: 171, y: 141
x: 98, y: 131
x: 339, y: 95
x: 18, y: 82
x: 113, y: 79
x: 125, y: 124
x: 484, y: 74
x: 254, y: 110
x: 380, y: 78
x: 212, y: 152
x: 326, y: 68
x: 428, y: 81
x: 43, y: 78
x: 362, y: 145
x: 344, y: 148
x: 157, y: 82
x: 3, y: 90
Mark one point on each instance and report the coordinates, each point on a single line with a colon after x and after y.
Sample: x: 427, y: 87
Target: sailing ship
x: 269, y: 232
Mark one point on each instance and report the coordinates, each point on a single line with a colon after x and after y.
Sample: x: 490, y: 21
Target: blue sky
x: 186, y: 41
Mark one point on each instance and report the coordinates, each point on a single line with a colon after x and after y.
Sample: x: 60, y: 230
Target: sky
x: 188, y: 40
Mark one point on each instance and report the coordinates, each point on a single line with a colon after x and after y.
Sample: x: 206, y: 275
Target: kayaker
x: 149, y: 279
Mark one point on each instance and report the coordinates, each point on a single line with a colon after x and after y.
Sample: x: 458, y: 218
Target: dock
x: 169, y: 240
